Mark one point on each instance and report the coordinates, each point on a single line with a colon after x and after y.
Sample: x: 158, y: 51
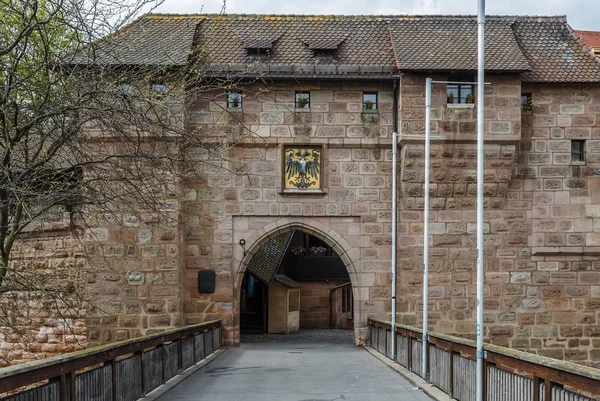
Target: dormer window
x: 257, y: 43
x: 326, y: 45
x: 259, y: 53
x: 325, y: 53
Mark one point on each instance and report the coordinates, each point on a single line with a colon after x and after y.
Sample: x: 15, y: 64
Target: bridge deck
x: 296, y: 368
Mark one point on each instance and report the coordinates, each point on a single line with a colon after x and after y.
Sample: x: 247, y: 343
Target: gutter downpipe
x: 394, y: 239
x: 394, y: 212
x: 425, y: 338
x: 480, y: 177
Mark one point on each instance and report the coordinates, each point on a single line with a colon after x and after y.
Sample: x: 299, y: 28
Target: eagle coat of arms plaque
x: 302, y: 168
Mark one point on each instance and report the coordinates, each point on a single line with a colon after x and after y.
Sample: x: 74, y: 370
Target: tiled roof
x: 266, y: 260
x: 554, y: 53
x: 356, y: 41
x: 542, y: 48
x: 151, y: 40
x: 450, y: 43
x: 590, y: 38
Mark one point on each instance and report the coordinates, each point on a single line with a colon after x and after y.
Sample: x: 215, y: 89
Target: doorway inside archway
x: 294, y: 282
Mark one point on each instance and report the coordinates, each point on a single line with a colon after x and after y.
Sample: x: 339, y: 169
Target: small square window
x: 577, y: 151
x: 460, y: 94
x: 370, y: 101
x: 159, y: 91
x: 303, y: 100
x: 526, y: 102
x: 234, y: 100
x: 124, y: 89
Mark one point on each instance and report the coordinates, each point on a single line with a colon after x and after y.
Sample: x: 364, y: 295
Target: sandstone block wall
x: 355, y: 204
x: 314, y: 304
x: 539, y: 296
x: 541, y: 250
x: 459, y: 121
x: 39, y: 324
x: 542, y: 234
x: 133, y: 274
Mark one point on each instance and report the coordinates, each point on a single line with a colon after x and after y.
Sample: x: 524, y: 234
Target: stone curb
x: 428, y: 388
x: 161, y: 390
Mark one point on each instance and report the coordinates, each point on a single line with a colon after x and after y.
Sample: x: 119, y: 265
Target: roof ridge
x: 355, y: 16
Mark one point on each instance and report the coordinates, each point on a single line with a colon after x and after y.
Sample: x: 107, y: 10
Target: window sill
x: 461, y: 106
x: 577, y: 163
x: 303, y: 192
x: 370, y: 111
x: 304, y: 110
x: 234, y: 109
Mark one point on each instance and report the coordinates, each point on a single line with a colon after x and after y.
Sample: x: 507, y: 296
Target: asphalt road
x: 302, y: 369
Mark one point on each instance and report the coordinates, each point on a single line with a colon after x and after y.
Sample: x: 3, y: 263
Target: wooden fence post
x: 142, y: 372
x: 409, y: 352
x: 73, y: 376
x: 451, y: 368
x: 536, y: 389
x: 63, y: 387
x: 113, y: 365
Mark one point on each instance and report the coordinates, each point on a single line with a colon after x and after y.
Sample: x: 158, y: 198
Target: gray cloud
x: 582, y: 14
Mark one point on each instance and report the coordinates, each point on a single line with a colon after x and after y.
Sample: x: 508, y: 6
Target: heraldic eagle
x: 302, y: 168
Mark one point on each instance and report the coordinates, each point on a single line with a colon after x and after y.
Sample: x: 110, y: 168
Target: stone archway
x: 349, y: 255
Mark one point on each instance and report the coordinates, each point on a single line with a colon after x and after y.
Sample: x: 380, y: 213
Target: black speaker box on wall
x: 206, y: 281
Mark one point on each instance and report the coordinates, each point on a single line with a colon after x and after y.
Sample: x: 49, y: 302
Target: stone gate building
x: 322, y: 96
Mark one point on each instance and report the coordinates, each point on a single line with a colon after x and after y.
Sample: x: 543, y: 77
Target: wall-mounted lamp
x: 243, y: 245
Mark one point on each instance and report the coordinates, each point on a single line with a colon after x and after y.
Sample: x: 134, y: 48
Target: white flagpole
x: 394, y: 240
x: 480, y: 178
x: 424, y: 372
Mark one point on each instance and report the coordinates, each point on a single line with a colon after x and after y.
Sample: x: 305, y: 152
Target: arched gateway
x: 267, y: 245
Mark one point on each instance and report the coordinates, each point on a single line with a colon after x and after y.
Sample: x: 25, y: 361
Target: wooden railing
x: 508, y: 374
x: 122, y: 371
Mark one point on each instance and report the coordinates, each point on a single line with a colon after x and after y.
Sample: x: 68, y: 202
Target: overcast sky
x: 581, y: 14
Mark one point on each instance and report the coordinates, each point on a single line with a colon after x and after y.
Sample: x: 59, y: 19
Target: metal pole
x: 480, y: 177
x: 394, y: 245
x: 424, y: 372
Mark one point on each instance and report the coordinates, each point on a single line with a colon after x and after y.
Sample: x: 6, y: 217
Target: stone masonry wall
x: 133, y: 272
x: 539, y: 296
x: 541, y: 291
x: 542, y: 234
x: 458, y: 121
x: 314, y: 303
x: 356, y: 203
x: 40, y: 324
